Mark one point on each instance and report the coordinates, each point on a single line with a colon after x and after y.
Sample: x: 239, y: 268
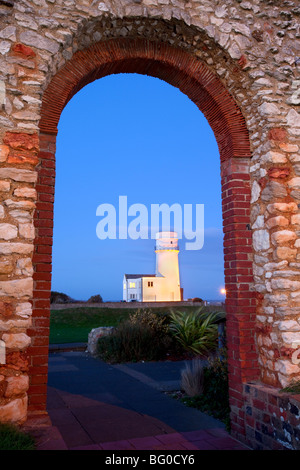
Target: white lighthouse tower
x: 164, y: 285
x: 167, y: 266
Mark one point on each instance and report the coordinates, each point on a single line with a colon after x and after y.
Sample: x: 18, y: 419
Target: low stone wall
x: 272, y: 419
x: 129, y: 305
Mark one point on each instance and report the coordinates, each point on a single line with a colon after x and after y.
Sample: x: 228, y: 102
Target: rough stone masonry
x: 250, y: 52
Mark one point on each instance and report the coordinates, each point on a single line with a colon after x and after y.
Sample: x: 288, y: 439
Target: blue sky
x: 135, y: 136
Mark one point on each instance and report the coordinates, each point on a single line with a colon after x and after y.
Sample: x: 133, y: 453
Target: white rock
x: 8, y: 33
x: 21, y: 216
x: 294, y: 183
x: 282, y: 284
x: 2, y: 93
x: 17, y: 288
x: 291, y: 338
x: 25, y: 192
x: 19, y: 248
x: 26, y: 205
x: 275, y: 157
x: 8, y: 231
x: 259, y: 223
x: 24, y: 267
x: 17, y: 174
x: 261, y: 240
x: 27, y: 231
x: 286, y: 367
x: 293, y: 118
x: 31, y: 38
x: 234, y: 51
x: 4, y: 47
x: 255, y: 192
x: 24, y: 309
x: 267, y: 109
x: 288, y: 325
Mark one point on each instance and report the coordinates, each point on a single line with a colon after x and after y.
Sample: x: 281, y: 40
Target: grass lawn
x: 72, y: 325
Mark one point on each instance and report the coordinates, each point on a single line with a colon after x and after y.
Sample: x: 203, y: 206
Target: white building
x: 164, y: 285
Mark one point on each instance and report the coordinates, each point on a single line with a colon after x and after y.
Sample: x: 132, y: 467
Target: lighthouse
x: 164, y: 285
x: 167, y: 266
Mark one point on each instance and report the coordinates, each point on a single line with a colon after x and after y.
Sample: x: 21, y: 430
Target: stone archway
x: 203, y: 87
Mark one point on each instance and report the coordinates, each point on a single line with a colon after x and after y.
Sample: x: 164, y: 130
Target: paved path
x: 93, y: 405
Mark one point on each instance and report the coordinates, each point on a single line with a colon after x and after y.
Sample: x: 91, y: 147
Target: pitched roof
x: 137, y: 276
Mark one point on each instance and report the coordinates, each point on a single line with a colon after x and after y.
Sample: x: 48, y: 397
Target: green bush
x: 196, y: 331
x: 155, y: 321
x: 95, y: 299
x: 133, y: 341
x: 12, y: 438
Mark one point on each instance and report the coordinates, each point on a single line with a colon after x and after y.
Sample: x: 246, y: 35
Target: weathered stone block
x: 16, y: 385
x: 285, y: 253
x: 283, y: 236
x: 4, y: 186
x: 20, y: 248
x: 261, y: 240
x: 17, y: 288
x: 15, y: 411
x: 8, y: 231
x: 25, y: 192
x: 16, y: 340
x: 4, y: 151
x: 18, y: 175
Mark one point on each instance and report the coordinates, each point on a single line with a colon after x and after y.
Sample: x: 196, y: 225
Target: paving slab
x: 96, y: 406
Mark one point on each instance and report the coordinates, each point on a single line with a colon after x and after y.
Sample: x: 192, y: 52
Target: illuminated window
x: 124, y: 285
x: 132, y: 284
x: 150, y: 283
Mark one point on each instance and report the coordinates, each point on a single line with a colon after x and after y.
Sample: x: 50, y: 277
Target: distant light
x: 223, y: 291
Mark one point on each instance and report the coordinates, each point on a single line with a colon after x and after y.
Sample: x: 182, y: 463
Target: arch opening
x: 194, y: 79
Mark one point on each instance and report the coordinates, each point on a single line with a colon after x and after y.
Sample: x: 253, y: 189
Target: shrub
x: 196, y: 331
x: 197, y: 299
x: 155, y: 321
x: 215, y: 397
x: 12, y: 438
x: 192, y: 378
x: 95, y: 299
x: 133, y: 341
x: 60, y: 298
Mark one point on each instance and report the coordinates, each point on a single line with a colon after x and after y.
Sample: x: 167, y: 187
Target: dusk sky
x: 135, y: 136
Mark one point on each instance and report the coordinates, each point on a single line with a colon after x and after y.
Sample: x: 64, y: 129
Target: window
x: 150, y: 283
x: 124, y: 285
x: 132, y: 296
x: 132, y: 285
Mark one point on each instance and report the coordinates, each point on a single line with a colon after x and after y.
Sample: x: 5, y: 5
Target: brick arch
x: 159, y: 60
x: 205, y: 89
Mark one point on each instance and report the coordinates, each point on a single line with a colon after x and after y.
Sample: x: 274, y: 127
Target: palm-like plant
x: 196, y: 331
